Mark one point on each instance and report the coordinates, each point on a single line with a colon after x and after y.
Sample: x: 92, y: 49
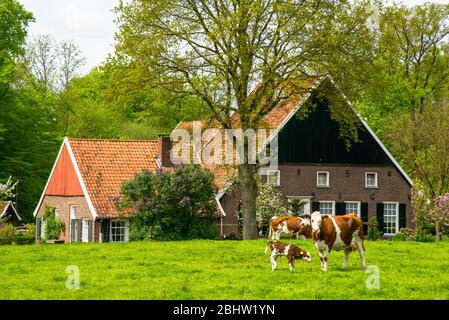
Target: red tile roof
x: 105, y: 164
x: 271, y: 121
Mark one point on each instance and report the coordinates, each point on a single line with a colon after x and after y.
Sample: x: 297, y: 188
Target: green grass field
x: 219, y: 270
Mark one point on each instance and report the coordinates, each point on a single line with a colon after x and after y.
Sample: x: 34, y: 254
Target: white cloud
x: 90, y: 23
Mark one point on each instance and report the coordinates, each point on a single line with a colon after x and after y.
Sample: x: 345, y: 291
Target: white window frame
x: 397, y: 217
x: 307, y: 198
x: 333, y: 206
x: 359, y: 207
x: 125, y: 228
x: 376, y: 179
x: 327, y: 179
x: 272, y: 173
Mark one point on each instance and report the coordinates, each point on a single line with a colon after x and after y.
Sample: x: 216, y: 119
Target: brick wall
x: 63, y: 204
x: 347, y: 183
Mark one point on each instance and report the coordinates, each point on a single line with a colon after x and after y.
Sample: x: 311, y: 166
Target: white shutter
x: 126, y: 230
x: 43, y: 225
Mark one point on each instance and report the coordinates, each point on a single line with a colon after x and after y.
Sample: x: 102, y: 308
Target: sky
x: 89, y: 23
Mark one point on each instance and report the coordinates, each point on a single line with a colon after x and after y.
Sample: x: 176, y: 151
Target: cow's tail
x: 268, y: 245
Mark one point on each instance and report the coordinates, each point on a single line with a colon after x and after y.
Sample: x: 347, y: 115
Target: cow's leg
x: 291, y: 262
x: 345, y: 260
x: 320, y: 253
x: 359, y: 243
x: 326, y: 258
x: 273, y: 261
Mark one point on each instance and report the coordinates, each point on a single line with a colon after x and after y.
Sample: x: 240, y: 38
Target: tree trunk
x: 248, y: 189
x: 437, y: 231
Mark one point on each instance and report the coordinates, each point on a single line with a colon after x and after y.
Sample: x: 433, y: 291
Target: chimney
x: 164, y: 148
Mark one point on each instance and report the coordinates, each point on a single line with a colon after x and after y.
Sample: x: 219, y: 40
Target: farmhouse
x: 316, y: 168
x: 84, y: 187
x: 8, y: 213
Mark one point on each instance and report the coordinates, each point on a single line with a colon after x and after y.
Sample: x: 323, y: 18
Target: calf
x: 296, y: 225
x: 290, y: 250
x: 338, y: 233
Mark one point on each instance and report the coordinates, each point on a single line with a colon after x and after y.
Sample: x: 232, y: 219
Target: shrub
x: 53, y: 226
x: 373, y: 229
x: 7, y: 231
x: 30, y: 229
x: 24, y: 239
x: 231, y: 236
x: 409, y: 234
x: 425, y: 237
x: 398, y: 237
x: 177, y: 205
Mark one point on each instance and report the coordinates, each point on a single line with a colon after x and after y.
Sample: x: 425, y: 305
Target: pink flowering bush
x: 440, y: 215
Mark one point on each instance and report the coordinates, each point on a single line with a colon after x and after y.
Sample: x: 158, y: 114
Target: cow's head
x: 304, y: 255
x: 316, y: 219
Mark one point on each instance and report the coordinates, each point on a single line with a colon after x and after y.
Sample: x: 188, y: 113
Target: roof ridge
x: 112, y: 140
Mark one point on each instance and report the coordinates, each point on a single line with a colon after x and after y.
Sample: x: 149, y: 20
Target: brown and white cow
x: 296, y: 225
x: 338, y: 233
x: 290, y: 250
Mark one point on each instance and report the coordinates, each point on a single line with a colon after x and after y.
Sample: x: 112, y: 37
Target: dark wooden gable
x: 315, y: 139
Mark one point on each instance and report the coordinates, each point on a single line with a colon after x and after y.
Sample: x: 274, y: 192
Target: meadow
x: 219, y: 270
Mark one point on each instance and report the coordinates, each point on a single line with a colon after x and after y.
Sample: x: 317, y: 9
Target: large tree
x: 411, y: 63
x: 219, y: 49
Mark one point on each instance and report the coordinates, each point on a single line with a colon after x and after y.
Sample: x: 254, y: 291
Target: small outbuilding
x: 8, y: 213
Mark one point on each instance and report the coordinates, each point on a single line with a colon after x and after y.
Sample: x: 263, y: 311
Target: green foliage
x: 13, y: 24
x: 30, y: 230
x: 373, y: 229
x: 176, y: 205
x: 425, y: 237
x: 404, y: 234
x: 53, y: 226
x: 420, y: 141
x: 7, y: 231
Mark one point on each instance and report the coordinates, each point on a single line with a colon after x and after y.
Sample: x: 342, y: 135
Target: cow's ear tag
x: 302, y: 252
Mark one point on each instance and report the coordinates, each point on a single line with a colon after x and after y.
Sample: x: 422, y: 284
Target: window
x: 57, y: 211
x: 322, y: 179
x: 327, y: 207
x: 371, y: 180
x: 391, y: 217
x: 299, y: 205
x: 73, y: 224
x: 72, y: 212
x: 352, y: 207
x: 118, y: 231
x: 274, y: 177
